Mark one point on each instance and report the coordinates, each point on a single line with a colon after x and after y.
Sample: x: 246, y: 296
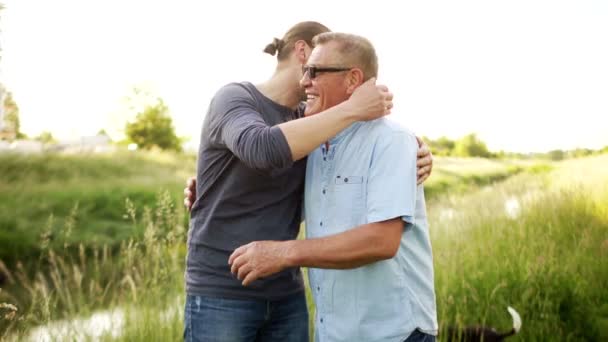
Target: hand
x: 424, y: 161
x: 190, y: 193
x: 371, y: 101
x: 258, y: 259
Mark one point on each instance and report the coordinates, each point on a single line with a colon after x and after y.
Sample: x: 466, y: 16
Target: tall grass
x: 546, y: 258
x: 146, y: 274
x: 462, y: 175
x: 38, y: 193
x: 548, y: 261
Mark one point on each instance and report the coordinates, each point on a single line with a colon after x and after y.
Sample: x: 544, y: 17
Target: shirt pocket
x: 348, y: 203
x: 349, y: 190
x: 347, y: 180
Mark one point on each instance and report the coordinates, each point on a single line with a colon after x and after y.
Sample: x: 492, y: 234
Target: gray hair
x: 354, y: 49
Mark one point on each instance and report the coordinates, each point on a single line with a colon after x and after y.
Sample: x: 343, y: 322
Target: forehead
x: 324, y: 54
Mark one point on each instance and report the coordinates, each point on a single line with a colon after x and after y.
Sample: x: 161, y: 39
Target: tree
x: 471, y: 146
x: 556, y: 155
x: 102, y: 132
x: 153, y: 127
x: 580, y: 152
x: 442, y: 146
x: 11, y: 115
x: 46, y: 137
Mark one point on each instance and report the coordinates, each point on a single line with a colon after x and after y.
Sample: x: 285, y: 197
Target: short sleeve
x: 391, y: 188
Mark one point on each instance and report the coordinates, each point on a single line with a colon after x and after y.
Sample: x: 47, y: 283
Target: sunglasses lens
x: 310, y: 70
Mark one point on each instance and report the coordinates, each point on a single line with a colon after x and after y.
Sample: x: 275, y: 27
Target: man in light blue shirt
x: 368, y: 246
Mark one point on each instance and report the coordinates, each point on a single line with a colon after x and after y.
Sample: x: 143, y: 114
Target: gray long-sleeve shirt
x: 248, y: 189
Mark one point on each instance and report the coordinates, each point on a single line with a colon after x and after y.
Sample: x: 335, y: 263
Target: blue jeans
x: 237, y: 320
x: 419, y: 336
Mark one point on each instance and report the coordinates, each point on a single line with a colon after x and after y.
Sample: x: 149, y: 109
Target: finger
x: 237, y: 264
x: 382, y: 89
x: 423, y: 161
x: 243, y: 271
x: 187, y: 192
x: 250, y: 278
x: 423, y: 170
x: 388, y: 96
x: 420, y: 142
x: 423, y: 151
x: 191, y: 182
x: 237, y: 252
x: 422, y: 178
x: 187, y: 203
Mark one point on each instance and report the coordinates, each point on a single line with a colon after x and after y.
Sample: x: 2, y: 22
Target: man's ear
x: 353, y: 80
x: 300, y: 51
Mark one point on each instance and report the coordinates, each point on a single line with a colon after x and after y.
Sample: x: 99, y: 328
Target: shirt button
x: 324, y: 159
x: 321, y: 224
x: 321, y: 320
x: 345, y: 180
x: 323, y: 191
x: 318, y: 288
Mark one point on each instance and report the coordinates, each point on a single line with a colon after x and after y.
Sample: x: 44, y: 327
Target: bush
x: 154, y: 127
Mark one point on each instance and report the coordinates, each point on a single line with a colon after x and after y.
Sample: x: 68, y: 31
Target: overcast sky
x: 524, y: 75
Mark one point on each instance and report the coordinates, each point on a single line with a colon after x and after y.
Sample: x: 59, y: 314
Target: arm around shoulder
x: 238, y: 124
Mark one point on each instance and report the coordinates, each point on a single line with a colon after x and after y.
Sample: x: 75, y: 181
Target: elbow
x: 265, y: 165
x: 259, y: 164
x: 387, y: 249
x: 388, y: 238
x: 261, y: 151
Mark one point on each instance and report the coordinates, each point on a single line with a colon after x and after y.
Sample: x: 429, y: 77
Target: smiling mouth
x: 310, y: 97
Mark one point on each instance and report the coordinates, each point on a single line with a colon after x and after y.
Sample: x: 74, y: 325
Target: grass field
x: 517, y: 233
x: 42, y: 194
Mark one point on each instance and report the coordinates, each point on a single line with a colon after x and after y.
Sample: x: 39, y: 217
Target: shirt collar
x: 344, y: 133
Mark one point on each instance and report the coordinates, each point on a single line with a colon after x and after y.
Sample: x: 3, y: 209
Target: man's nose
x: 305, y: 81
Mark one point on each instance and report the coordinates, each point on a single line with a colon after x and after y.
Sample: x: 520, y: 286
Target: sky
x: 526, y: 76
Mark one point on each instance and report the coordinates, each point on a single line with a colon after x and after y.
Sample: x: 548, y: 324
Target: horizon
x: 455, y: 69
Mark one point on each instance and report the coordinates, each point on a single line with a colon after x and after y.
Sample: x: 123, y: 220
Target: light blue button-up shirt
x: 367, y: 175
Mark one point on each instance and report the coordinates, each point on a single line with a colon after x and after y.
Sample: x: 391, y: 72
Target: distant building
x: 27, y: 146
x: 88, y: 144
x: 6, y: 134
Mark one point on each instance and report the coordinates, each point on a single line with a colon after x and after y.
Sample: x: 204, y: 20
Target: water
x: 102, y: 323
x: 512, y: 207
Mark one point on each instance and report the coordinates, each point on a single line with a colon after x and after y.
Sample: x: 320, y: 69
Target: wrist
x: 290, y: 253
x: 349, y: 112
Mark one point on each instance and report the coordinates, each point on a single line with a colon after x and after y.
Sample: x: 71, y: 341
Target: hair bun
x: 273, y: 47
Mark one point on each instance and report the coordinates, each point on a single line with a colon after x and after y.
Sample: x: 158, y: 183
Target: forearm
x: 261, y: 148
x: 306, y: 134
x: 353, y: 248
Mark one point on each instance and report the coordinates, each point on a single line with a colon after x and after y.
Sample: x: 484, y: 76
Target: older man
x: 368, y: 243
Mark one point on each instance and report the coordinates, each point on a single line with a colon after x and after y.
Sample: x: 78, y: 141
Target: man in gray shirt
x: 249, y: 187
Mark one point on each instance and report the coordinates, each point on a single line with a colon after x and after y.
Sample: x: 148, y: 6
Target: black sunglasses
x: 314, y: 70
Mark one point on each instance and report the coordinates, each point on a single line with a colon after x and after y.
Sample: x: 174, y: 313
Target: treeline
x: 468, y: 146
x: 471, y: 146
x: 557, y: 155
